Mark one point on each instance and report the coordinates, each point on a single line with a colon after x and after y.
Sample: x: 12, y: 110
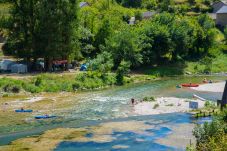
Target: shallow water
x: 96, y: 107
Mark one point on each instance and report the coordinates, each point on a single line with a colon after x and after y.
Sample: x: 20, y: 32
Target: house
x: 132, y: 21
x: 216, y: 6
x: 83, y: 4
x: 221, y: 16
x: 147, y: 15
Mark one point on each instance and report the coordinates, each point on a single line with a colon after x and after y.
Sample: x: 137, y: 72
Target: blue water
x: 133, y: 141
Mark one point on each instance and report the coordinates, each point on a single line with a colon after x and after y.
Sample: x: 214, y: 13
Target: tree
x: 122, y: 69
x: 131, y: 3
x: 57, y: 29
x: 180, y: 35
x: 42, y: 28
x: 225, y: 34
x: 103, y: 63
x: 124, y: 45
x: 21, y: 26
x: 104, y: 32
x: 156, y: 42
x: 167, y: 5
x: 86, y: 40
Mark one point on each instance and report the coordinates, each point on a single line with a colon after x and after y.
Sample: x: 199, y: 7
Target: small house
x: 216, y: 6
x: 83, y: 4
x: 221, y: 16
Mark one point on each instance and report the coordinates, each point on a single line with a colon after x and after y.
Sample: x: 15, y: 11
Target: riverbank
x: 82, y: 81
x: 211, y: 87
x: 165, y: 105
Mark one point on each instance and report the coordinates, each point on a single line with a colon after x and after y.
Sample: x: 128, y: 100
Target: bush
x: 155, y: 106
x: 149, y: 99
x: 209, y: 104
x: 11, y: 88
x: 31, y: 88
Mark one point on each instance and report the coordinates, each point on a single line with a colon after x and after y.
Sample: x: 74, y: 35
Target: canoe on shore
x: 190, y: 85
x: 23, y: 111
x: 45, y: 116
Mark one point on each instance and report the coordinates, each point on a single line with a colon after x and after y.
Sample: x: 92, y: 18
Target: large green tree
x: 42, y: 28
x: 22, y: 25
x: 126, y: 46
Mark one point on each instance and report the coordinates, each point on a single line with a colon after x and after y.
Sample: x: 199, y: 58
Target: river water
x: 112, y: 105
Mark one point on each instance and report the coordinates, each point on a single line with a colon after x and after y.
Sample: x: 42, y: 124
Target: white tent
x: 19, y: 68
x: 6, y: 64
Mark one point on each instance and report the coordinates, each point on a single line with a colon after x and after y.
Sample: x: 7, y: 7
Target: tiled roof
x: 222, y: 10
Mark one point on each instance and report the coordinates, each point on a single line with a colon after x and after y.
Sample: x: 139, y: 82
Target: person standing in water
x: 133, y: 101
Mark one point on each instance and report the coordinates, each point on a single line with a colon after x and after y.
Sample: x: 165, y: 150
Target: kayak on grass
x: 190, y: 85
x: 23, y: 111
x: 45, y: 116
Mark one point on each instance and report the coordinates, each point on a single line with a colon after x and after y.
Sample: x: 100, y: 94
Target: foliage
x: 125, y: 46
x: 103, y: 63
x: 212, y: 136
x: 149, y: 99
x: 171, y: 37
x: 55, y: 83
x: 209, y: 104
x: 121, y: 71
x: 38, y: 30
x: 155, y: 106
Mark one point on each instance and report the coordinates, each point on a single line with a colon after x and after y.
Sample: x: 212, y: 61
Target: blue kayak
x: 23, y: 111
x: 45, y: 116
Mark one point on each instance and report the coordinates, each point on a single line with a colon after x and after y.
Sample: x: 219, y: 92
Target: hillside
x: 189, y: 38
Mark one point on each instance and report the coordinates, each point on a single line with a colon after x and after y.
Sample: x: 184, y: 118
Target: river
x: 98, y: 108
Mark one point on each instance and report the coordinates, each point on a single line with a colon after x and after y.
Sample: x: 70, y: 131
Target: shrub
x: 155, y: 106
x: 31, y: 88
x: 149, y: 99
x: 11, y: 88
x: 170, y: 104
x: 209, y: 104
x: 76, y: 85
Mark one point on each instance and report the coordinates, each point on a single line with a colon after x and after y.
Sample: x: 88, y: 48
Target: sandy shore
x: 211, y: 87
x: 165, y: 105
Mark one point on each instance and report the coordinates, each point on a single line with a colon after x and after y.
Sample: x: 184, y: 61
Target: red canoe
x: 190, y: 85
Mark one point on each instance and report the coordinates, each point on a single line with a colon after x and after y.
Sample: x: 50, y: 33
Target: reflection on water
x: 130, y: 137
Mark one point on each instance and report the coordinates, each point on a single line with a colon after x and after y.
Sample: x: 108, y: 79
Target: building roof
x: 223, y: 10
x: 148, y: 14
x: 82, y: 4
